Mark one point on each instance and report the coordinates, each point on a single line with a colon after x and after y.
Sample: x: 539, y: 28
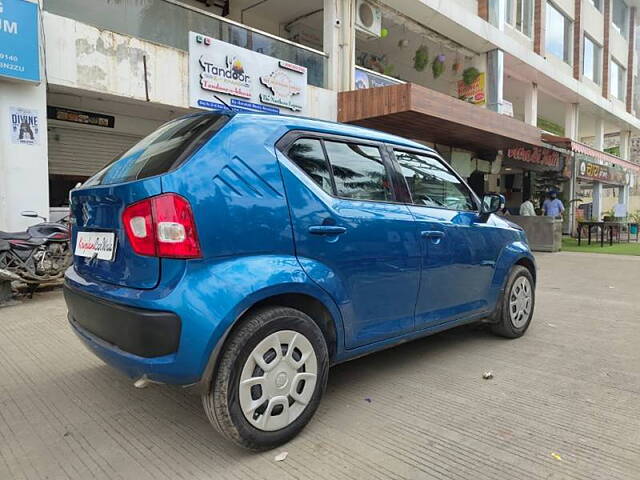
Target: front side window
x: 618, y: 74
x: 520, y: 15
x: 358, y: 171
x: 307, y: 153
x: 619, y: 16
x: 558, y: 33
x: 591, y: 60
x: 432, y: 184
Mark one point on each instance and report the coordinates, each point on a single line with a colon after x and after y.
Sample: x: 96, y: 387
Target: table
x: 607, y: 226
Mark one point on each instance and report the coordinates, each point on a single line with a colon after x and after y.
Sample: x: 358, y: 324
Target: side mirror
x: 32, y: 214
x: 492, y: 203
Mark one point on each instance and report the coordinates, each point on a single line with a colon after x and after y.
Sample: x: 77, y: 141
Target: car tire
x: 517, y: 304
x: 279, y: 393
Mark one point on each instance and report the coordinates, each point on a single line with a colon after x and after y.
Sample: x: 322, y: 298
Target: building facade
x: 520, y: 96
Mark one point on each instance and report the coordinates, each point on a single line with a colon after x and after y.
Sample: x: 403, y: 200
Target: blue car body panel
x: 381, y: 282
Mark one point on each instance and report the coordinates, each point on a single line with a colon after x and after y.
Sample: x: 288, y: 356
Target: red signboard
x: 536, y: 156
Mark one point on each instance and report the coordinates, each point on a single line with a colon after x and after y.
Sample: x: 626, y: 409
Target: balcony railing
x: 168, y: 22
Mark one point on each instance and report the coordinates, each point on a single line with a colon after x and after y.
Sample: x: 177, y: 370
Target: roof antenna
x: 223, y: 102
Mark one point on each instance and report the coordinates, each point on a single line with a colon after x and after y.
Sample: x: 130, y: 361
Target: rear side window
x: 161, y: 150
x: 307, y: 153
x: 432, y: 184
x: 358, y: 171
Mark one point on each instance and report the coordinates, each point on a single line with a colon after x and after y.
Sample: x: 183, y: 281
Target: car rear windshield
x: 162, y: 150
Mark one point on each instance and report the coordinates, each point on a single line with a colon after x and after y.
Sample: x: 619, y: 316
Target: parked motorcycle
x: 40, y: 254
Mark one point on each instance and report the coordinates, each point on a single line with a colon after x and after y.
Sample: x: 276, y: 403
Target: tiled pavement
x: 564, y: 403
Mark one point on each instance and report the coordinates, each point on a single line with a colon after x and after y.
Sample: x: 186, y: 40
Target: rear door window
x: 432, y: 184
x: 161, y: 150
x: 307, y: 153
x: 358, y: 171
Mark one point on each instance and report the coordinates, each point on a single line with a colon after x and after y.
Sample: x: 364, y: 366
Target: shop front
x: 598, y: 176
x: 530, y: 174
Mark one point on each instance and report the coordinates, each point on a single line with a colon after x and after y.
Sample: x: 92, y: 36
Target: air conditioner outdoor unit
x: 368, y: 18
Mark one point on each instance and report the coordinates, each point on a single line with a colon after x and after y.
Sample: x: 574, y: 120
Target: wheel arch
x: 327, y: 317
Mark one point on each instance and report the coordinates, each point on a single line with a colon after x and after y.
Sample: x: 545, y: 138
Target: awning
x: 590, y: 152
x: 416, y: 112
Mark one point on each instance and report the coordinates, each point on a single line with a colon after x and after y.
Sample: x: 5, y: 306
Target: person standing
x: 527, y: 209
x: 552, y: 206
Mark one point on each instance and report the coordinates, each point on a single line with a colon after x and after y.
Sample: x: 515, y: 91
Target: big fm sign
x: 19, y: 40
x: 246, y: 80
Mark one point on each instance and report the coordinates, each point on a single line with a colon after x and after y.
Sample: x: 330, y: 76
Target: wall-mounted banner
x: 473, y: 93
x: 601, y: 173
x: 366, y: 79
x: 246, y: 80
x: 24, y: 126
x: 19, y: 40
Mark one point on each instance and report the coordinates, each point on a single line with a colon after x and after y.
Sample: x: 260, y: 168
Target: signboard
x: 366, y: 79
x: 79, y: 116
x: 244, y: 79
x: 19, y: 40
x: 537, y: 156
x: 24, y: 126
x: 473, y: 93
x: 601, y: 173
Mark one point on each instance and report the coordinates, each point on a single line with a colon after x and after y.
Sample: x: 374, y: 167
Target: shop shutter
x: 84, y: 151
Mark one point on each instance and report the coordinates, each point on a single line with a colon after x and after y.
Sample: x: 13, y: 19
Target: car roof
x: 291, y: 122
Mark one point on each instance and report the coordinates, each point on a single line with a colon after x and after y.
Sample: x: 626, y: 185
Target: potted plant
x: 634, y: 218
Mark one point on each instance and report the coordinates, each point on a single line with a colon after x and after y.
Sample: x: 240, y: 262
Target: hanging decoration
x: 457, y: 64
x: 421, y: 58
x: 437, y: 67
x: 470, y: 75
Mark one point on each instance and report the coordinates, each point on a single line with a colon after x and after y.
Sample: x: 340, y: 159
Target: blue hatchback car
x: 244, y: 254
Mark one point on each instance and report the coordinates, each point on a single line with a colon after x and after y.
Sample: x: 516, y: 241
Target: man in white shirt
x: 527, y: 209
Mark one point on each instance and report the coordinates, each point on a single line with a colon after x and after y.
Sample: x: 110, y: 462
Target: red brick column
x: 578, y: 45
x: 606, y: 50
x: 539, y: 26
x: 483, y: 9
x: 630, y: 65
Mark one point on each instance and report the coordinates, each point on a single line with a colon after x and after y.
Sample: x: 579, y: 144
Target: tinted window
x: 307, y: 153
x: 432, y: 184
x: 157, y: 153
x: 358, y: 171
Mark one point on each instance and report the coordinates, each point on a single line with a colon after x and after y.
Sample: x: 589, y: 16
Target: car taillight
x: 162, y: 226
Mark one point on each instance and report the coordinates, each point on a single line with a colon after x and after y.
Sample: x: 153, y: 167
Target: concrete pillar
x: 571, y: 121
x: 495, y: 79
x: 531, y: 105
x: 571, y: 130
x: 339, y: 44
x: 598, y: 144
x: 24, y: 172
x: 625, y: 145
x: 625, y: 153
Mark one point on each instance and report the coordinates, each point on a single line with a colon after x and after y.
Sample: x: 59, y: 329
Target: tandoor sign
x: 537, y: 156
x: 600, y: 173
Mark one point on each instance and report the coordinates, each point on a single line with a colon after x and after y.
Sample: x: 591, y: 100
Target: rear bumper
x: 139, y: 332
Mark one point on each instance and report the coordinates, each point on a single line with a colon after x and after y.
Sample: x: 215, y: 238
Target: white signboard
x: 244, y: 79
x: 24, y: 126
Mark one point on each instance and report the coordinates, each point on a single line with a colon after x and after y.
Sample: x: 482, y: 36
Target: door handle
x: 326, y: 230
x: 433, y: 234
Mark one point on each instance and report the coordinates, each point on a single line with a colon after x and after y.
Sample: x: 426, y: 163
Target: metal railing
x: 168, y: 22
